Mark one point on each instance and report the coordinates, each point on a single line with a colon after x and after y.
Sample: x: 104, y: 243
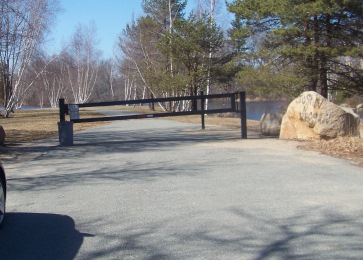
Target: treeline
x: 271, y: 49
x: 166, y: 53
x: 294, y: 45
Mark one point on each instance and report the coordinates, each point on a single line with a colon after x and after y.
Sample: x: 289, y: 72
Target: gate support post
x: 62, y: 112
x: 65, y: 132
x: 202, y: 102
x: 243, y: 114
x: 65, y: 129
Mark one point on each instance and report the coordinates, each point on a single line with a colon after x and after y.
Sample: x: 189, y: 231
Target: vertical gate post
x: 202, y: 102
x: 243, y: 115
x: 233, y: 102
x: 65, y: 129
x: 62, y: 112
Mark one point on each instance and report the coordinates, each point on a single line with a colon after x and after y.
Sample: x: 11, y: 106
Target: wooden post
x: 243, y: 115
x: 62, y: 112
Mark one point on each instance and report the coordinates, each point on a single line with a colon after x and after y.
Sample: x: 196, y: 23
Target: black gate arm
x: 64, y: 109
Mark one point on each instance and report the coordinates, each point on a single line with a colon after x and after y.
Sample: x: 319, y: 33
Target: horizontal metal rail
x: 155, y: 100
x: 155, y: 115
x: 65, y: 109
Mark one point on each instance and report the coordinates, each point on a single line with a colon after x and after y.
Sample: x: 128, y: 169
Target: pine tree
x: 195, y: 38
x: 317, y: 37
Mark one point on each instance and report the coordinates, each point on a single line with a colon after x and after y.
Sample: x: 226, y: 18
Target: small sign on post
x: 73, y: 112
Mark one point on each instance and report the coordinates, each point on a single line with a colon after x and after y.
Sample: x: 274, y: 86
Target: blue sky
x: 110, y: 17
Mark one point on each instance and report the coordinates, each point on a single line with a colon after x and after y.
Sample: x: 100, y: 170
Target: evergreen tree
x: 193, y: 40
x: 164, y: 12
x: 316, y: 37
x: 171, y: 54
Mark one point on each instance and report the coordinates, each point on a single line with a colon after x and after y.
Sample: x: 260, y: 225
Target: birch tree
x: 211, y: 11
x: 128, y: 77
x: 168, y: 52
x: 23, y: 26
x: 107, y: 82
x: 165, y: 13
x: 83, y: 62
x: 139, y: 53
x: 53, y: 78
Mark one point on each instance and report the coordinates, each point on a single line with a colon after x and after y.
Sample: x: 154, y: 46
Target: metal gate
x: 237, y: 104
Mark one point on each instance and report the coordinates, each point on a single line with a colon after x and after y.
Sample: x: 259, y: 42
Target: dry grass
x: 29, y: 126
x: 32, y: 125
x: 209, y: 120
x: 349, y: 148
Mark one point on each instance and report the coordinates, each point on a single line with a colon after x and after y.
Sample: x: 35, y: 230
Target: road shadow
x: 315, y: 233
x: 39, y: 236
x: 118, y: 140
x: 115, y: 139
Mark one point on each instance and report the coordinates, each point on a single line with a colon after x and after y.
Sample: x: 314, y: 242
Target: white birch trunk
x: 22, y: 28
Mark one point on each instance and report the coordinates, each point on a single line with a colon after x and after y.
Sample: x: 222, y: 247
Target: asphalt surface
x: 160, y: 189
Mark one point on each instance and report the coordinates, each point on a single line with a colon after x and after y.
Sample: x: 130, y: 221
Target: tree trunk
x: 324, y: 66
x: 309, y: 60
x: 315, y: 61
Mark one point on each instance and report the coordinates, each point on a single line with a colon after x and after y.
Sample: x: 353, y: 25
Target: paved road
x: 159, y: 189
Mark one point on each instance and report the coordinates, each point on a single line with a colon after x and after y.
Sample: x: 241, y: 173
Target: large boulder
x: 270, y: 124
x: 360, y: 111
x: 2, y: 135
x: 311, y: 116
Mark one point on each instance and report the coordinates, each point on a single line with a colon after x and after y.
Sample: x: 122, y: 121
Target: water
x: 29, y: 107
x: 256, y: 109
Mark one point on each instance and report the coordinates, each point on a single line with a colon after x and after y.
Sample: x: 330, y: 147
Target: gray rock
x: 270, y: 124
x: 359, y: 109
